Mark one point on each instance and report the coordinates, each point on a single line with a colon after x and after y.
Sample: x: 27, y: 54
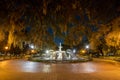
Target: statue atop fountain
x: 61, y: 54
x: 60, y: 47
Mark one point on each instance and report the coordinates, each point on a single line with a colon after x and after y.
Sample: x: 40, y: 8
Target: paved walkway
x: 26, y: 70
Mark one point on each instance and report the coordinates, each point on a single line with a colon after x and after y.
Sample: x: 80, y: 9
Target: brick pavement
x: 14, y: 70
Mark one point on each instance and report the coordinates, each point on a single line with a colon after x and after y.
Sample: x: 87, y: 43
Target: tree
x: 69, y: 19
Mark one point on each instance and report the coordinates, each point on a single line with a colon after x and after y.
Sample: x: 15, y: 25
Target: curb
x: 114, y: 62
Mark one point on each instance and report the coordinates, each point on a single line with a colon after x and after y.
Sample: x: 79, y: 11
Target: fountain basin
x: 47, y: 60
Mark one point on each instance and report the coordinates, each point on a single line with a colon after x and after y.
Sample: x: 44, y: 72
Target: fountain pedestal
x: 60, y: 53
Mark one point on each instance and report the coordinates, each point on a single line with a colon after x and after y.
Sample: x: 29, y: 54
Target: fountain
x: 59, y: 55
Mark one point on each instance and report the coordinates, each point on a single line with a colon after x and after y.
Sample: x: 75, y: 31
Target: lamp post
x: 87, y: 48
x: 32, y: 51
x: 6, y: 49
x: 32, y: 46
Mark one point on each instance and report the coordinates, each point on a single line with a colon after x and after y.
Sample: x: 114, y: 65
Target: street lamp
x: 32, y: 46
x: 87, y: 46
x: 83, y: 51
x: 33, y: 51
x: 6, y: 47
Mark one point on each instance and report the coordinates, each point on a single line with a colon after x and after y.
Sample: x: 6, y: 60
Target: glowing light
x: 74, y: 50
x: 32, y: 51
x: 47, y: 51
x: 83, y: 51
x: 6, y: 47
x: 87, y: 46
x: 32, y: 46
